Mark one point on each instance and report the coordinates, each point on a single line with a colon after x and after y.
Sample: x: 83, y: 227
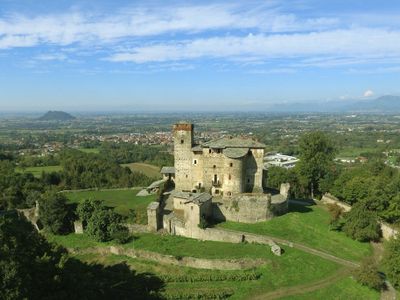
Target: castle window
x: 248, y: 180
x: 191, y: 207
x: 182, y: 141
x: 209, y: 150
x: 186, y: 176
x: 217, y: 191
x: 229, y: 193
x: 231, y: 164
x: 195, y: 162
x: 230, y: 177
x: 214, y: 166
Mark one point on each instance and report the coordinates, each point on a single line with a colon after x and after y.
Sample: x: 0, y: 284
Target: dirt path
x: 305, y: 288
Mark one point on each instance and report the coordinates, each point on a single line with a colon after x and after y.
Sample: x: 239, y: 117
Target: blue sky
x: 208, y: 55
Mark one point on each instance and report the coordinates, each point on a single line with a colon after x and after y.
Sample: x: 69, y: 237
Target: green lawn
x: 37, y: 171
x: 146, y: 169
x: 345, y: 289
x: 309, y: 226
x: 293, y: 268
x: 122, y: 200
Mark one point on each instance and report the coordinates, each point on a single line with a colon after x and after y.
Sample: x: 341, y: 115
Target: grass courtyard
x: 121, y: 199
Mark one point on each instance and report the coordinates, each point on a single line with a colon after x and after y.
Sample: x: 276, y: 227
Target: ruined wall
x: 247, y: 208
x: 153, y: 216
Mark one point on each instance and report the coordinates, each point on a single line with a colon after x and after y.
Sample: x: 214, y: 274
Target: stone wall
x: 247, y: 208
x: 192, y: 262
x: 330, y: 199
x: 388, y: 231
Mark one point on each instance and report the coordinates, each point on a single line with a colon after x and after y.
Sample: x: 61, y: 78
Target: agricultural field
x: 147, y: 169
x: 292, y: 271
x: 121, y: 199
x: 90, y: 150
x: 37, y: 171
x: 308, y: 225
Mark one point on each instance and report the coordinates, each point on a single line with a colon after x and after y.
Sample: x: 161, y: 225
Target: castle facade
x: 224, y: 167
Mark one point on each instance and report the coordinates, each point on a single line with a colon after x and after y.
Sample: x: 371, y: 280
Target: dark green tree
x: 53, y: 212
x: 361, y: 224
x: 28, y: 264
x: 317, y: 152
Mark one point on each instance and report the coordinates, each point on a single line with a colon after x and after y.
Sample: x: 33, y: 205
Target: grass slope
x: 146, y: 169
x: 294, y: 267
x: 347, y: 288
x: 309, y: 226
x: 122, y: 200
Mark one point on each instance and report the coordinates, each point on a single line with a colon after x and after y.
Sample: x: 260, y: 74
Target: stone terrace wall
x: 388, y: 231
x: 193, y: 262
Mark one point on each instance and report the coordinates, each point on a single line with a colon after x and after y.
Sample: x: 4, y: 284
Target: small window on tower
x: 231, y: 164
x: 209, y: 150
x: 186, y: 176
x: 182, y: 141
x: 230, y: 177
x: 214, y: 166
x: 195, y: 162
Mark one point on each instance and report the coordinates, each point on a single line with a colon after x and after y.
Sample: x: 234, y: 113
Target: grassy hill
x: 56, y: 116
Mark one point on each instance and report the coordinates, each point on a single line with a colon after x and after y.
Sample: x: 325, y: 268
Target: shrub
x: 53, y: 211
x: 391, y: 261
x: 368, y: 274
x: 361, y: 224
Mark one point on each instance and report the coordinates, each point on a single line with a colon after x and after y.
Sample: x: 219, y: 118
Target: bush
x: 336, y: 213
x: 361, y: 224
x: 120, y: 234
x: 391, y: 261
x: 53, y: 211
x: 367, y: 274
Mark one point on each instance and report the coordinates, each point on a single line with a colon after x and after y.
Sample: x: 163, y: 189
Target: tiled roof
x: 235, y: 152
x: 196, y: 198
x: 234, y: 142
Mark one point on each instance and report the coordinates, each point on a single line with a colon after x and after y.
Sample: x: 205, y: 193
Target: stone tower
x: 183, y: 143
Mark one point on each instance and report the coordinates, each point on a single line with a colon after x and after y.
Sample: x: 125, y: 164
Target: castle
x: 223, y: 167
x: 219, y: 180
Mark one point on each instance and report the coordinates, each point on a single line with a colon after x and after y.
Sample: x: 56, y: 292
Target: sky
x: 95, y: 55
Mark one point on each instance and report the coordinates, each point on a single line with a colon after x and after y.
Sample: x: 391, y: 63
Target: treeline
x: 374, y: 185
x: 79, y: 171
x: 88, y: 170
x: 123, y: 153
x: 18, y: 190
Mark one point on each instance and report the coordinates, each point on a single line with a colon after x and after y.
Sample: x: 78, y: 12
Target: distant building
x: 273, y: 159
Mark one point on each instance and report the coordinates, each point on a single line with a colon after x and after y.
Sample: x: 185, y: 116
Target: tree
x: 368, y: 274
x: 391, y: 261
x: 361, y: 224
x: 53, y: 212
x: 102, y: 223
x: 317, y: 152
x: 28, y: 264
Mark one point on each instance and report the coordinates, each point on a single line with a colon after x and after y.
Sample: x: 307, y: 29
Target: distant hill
x: 56, y: 116
x: 384, y: 104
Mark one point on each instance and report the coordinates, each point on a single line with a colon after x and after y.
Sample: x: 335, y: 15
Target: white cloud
x: 368, y: 93
x: 65, y: 29
x: 52, y: 56
x: 359, y: 43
